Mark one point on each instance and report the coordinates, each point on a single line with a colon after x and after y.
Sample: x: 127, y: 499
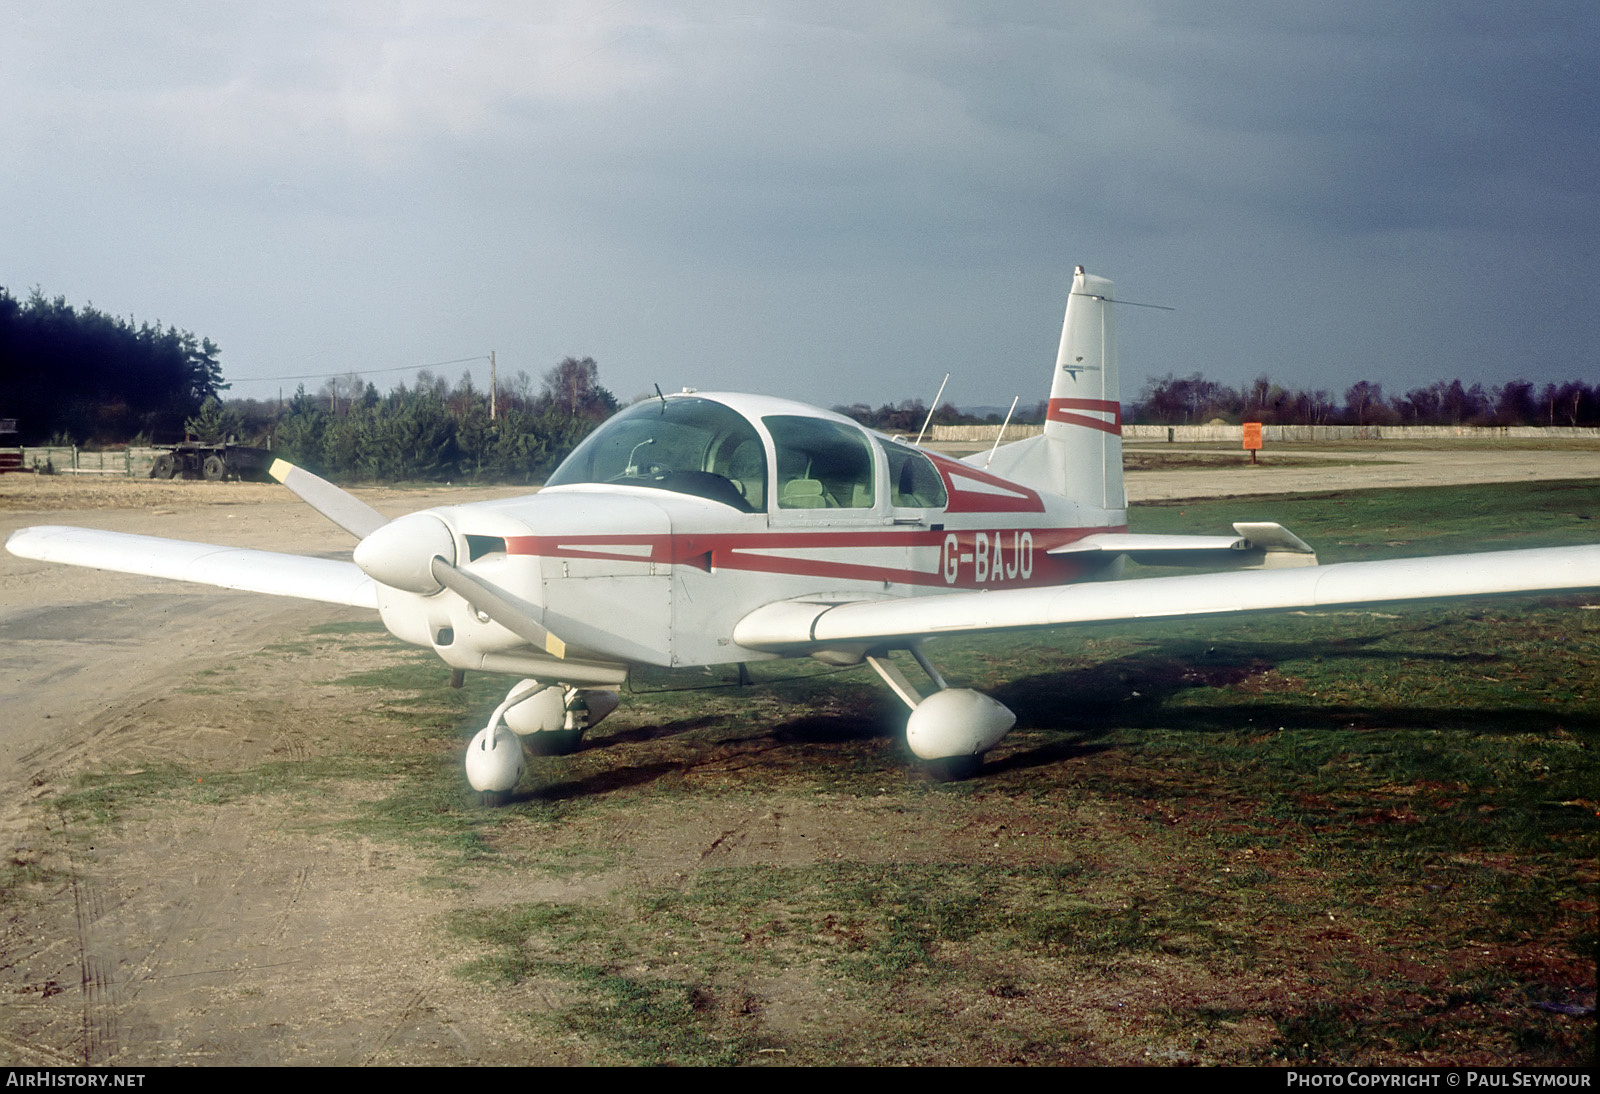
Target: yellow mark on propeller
x: 280, y: 469
x: 554, y: 646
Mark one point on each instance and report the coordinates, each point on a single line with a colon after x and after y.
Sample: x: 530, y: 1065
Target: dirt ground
x: 244, y: 935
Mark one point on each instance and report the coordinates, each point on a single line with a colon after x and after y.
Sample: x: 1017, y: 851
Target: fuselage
x: 680, y: 516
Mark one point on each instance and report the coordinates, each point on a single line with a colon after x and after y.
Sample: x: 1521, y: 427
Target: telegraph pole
x: 491, y: 385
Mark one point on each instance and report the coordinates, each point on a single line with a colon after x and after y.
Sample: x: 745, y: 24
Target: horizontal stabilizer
x: 800, y: 626
x: 327, y: 580
x: 1274, y: 539
x: 1259, y: 546
x: 1127, y: 544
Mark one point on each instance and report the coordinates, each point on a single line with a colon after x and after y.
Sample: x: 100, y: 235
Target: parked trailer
x: 10, y: 447
x: 213, y: 462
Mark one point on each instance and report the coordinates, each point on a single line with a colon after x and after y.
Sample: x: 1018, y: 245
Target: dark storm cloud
x: 833, y: 201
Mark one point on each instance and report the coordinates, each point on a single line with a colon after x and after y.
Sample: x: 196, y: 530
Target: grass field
x: 1327, y: 838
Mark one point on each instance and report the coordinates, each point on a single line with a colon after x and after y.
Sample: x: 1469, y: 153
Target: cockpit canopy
x: 690, y: 446
x: 709, y: 450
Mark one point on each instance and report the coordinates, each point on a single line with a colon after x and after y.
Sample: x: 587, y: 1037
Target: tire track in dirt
x: 74, y: 701
x: 97, y: 986
x: 412, y: 1005
x: 747, y: 841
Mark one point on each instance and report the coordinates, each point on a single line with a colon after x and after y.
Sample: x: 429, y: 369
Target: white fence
x: 65, y: 460
x: 135, y: 462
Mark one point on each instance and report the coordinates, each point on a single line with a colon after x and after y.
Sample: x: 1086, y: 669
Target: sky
x: 833, y: 202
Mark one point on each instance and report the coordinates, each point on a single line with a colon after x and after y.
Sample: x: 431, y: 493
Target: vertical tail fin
x: 1084, y: 422
x: 1080, y: 454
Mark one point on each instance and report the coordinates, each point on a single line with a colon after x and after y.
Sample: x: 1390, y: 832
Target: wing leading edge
x: 327, y: 580
x: 801, y: 626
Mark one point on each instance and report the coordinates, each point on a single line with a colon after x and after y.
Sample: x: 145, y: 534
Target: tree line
x: 432, y: 430
x: 1192, y: 399
x: 81, y: 374
x: 1173, y: 400
x: 906, y: 417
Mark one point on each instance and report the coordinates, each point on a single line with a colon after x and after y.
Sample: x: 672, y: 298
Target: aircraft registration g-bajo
x: 702, y: 529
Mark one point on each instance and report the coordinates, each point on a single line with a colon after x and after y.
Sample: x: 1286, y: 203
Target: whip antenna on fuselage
x: 1002, y: 432
x: 929, y: 419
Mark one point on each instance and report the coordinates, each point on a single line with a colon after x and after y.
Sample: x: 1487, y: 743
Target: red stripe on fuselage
x: 1005, y: 497
x: 968, y: 558
x: 1058, y: 412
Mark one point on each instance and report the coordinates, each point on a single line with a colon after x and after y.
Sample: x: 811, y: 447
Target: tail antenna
x: 929, y: 419
x: 1002, y: 432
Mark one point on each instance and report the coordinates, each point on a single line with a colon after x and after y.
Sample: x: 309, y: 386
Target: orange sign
x: 1252, y: 435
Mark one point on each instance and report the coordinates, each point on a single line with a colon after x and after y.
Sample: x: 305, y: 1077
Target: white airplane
x: 701, y: 529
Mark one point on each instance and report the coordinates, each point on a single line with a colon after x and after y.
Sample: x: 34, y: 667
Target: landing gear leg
x: 891, y: 675
x: 950, y: 729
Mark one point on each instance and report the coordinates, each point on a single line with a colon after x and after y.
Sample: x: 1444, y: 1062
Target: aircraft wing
x: 1256, y: 546
x: 799, y: 626
x: 323, y: 579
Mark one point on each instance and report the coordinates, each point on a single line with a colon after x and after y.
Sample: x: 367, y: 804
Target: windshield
x: 690, y: 446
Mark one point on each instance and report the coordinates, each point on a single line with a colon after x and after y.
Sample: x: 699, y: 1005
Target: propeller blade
x: 497, y: 605
x: 348, y: 512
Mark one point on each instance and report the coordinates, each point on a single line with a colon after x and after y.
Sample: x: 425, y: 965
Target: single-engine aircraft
x: 699, y: 529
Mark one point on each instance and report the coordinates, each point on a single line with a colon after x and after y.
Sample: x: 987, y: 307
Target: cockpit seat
x: 803, y: 494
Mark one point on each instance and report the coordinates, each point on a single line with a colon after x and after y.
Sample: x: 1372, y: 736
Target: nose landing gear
x: 547, y: 719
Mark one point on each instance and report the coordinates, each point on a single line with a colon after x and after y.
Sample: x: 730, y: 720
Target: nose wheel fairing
x: 544, y: 719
